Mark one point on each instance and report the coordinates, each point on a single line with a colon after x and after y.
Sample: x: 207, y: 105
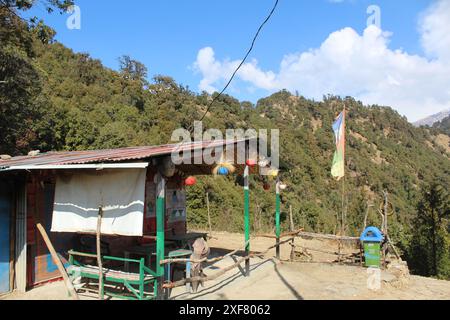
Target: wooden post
x: 247, y: 218
x: 343, y: 214
x: 99, y: 254
x: 386, y: 205
x: 292, y: 228
x: 277, y: 217
x: 385, y: 225
x: 209, y: 213
x: 58, y: 262
x: 160, y: 227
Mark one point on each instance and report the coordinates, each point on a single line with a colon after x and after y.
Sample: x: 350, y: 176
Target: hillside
x: 93, y: 107
x: 69, y: 101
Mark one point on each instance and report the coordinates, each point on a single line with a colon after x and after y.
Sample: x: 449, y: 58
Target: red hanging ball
x: 191, y: 181
x: 266, y: 186
x: 251, y: 163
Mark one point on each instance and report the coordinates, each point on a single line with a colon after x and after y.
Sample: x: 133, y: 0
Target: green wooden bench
x: 135, y: 283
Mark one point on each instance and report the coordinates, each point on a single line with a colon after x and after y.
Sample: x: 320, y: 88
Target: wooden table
x: 145, y: 250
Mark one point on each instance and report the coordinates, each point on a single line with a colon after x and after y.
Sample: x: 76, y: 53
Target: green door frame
x: 247, y: 218
x: 160, y: 230
x: 277, y: 216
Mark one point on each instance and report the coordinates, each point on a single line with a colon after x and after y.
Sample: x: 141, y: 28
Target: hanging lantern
x: 222, y: 171
x: 251, y: 163
x: 283, y: 186
x: 224, y: 167
x: 263, y: 162
x: 266, y: 186
x: 272, y: 174
x: 191, y: 181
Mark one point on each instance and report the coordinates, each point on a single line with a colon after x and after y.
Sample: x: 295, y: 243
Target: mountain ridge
x: 433, y: 119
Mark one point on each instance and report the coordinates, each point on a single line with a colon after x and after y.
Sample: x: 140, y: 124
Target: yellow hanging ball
x: 273, y: 173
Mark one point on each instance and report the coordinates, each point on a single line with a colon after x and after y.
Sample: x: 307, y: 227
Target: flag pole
x: 343, y: 195
x: 343, y: 180
x: 343, y: 209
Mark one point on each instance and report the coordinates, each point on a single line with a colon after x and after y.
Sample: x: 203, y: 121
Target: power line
x: 243, y: 60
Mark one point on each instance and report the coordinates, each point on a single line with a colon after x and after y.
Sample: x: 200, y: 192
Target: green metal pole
x: 277, y: 217
x: 247, y: 218
x: 160, y: 214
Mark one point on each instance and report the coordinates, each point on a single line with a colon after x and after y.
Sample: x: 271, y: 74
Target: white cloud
x: 214, y: 71
x: 435, y: 30
x: 362, y: 66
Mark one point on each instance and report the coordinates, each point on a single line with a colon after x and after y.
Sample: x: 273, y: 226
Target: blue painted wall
x: 5, y: 213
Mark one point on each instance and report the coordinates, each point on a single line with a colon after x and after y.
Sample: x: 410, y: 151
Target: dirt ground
x: 272, y: 279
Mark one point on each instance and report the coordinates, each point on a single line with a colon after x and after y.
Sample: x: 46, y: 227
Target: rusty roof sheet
x: 113, y: 155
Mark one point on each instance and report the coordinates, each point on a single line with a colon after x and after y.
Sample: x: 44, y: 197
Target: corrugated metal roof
x: 113, y: 155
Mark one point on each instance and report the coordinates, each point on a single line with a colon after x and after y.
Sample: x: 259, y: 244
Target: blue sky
x: 190, y: 38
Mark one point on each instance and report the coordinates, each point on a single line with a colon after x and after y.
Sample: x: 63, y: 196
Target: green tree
x: 49, y: 5
x: 23, y: 121
x: 132, y: 69
x: 19, y: 84
x: 429, y: 251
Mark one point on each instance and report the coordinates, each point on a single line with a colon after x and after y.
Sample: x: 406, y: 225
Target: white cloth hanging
x: 120, y: 192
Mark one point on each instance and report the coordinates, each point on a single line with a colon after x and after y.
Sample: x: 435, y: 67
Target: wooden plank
x: 80, y: 254
x: 209, y: 213
x: 326, y: 236
x: 284, y: 235
x: 223, y: 271
x: 292, y: 228
x: 58, y: 262
x: 167, y: 261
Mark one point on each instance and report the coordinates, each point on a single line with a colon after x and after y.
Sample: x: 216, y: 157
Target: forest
x: 54, y: 99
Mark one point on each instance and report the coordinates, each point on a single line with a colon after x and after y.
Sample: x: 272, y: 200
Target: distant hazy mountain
x: 443, y: 125
x: 431, y: 120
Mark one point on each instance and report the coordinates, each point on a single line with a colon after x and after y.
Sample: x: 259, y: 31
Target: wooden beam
x: 292, y: 229
x: 223, y: 271
x: 58, y: 262
x: 81, y: 254
x: 209, y: 213
x: 326, y: 236
x: 283, y: 235
x: 206, y: 260
x: 99, y: 253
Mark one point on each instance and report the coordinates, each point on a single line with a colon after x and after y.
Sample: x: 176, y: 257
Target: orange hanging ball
x: 191, y: 181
